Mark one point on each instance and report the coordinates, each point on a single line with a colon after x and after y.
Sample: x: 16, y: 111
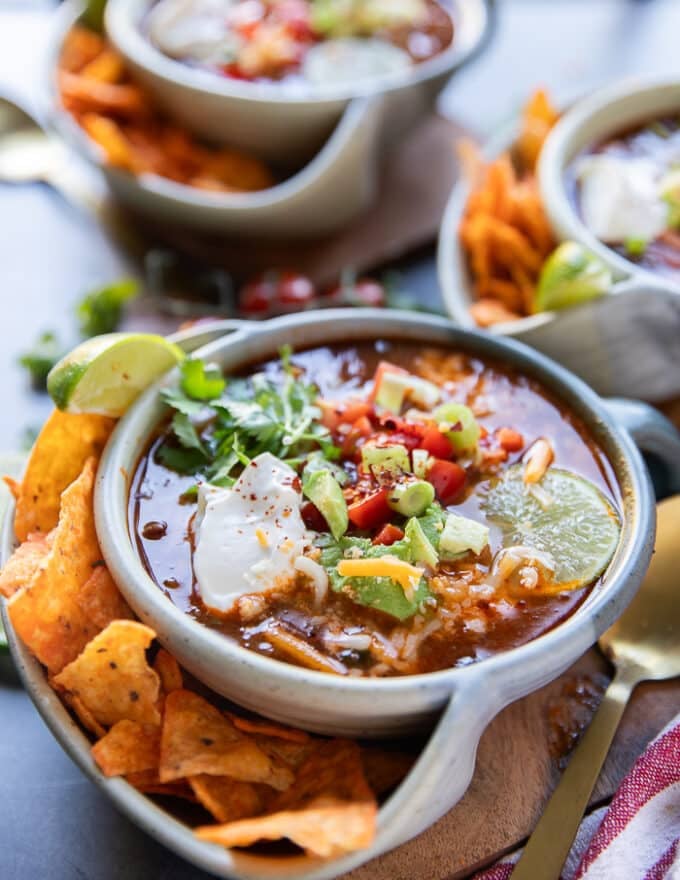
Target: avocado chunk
x: 395, y: 387
x: 461, y: 535
x: 420, y: 545
x: 464, y: 431
x: 324, y: 491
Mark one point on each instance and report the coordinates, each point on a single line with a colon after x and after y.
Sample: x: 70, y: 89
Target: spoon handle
x: 549, y: 845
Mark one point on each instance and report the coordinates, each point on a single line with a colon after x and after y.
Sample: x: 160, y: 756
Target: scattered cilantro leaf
x: 101, y: 310
x: 201, y: 381
x: 40, y: 359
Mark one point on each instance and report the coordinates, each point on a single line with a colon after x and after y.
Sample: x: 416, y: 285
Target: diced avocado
x: 395, y: 387
x: 411, y: 498
x: 386, y: 458
x: 324, y: 491
x: 464, y: 433
x: 421, y: 548
x: 421, y: 462
x: 461, y: 535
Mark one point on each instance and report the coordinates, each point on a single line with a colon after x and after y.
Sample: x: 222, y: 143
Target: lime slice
x: 11, y: 465
x: 568, y: 519
x: 571, y: 275
x: 105, y: 374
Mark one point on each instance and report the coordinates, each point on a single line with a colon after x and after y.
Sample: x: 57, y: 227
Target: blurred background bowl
x: 272, y: 122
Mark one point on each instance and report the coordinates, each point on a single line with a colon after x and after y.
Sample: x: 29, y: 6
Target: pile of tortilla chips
x: 256, y: 779
x: 505, y: 232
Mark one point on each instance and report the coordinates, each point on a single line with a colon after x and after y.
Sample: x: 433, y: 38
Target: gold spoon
x: 643, y: 645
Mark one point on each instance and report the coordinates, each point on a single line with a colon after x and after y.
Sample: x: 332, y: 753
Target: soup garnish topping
x: 378, y: 525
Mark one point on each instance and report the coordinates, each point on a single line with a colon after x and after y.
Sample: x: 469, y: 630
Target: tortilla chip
x: 327, y: 831
x: 285, y: 753
x: 129, y: 747
x: 147, y: 782
x: 112, y: 676
x: 227, y: 799
x: 169, y: 671
x: 197, y: 738
x: 49, y: 615
x: 24, y: 563
x: 84, y: 715
x: 385, y: 769
x: 269, y: 728
x: 101, y: 600
x: 329, y: 810
x: 63, y: 446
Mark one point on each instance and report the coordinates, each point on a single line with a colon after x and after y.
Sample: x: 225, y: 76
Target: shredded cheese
x: 406, y: 575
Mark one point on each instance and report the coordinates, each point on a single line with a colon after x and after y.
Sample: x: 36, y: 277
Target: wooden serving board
x: 518, y: 765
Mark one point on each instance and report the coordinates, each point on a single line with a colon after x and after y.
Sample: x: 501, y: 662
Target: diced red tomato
x: 313, y: 518
x: 294, y: 289
x: 448, y: 479
x: 388, y: 534
x: 509, y: 439
x: 371, y: 512
x: 382, y: 368
x: 436, y: 443
x: 363, y: 426
x: 355, y: 409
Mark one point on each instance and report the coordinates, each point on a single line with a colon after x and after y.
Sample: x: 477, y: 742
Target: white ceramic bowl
x: 370, y: 707
x: 338, y: 183
x: 271, y: 121
x: 474, y: 694
x: 605, y: 113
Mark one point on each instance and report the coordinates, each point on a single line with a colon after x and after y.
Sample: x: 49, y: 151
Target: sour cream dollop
x: 247, y: 538
x: 620, y: 198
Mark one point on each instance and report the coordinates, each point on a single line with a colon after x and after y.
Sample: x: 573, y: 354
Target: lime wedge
x: 105, y: 374
x: 568, y: 519
x: 571, y: 275
x: 11, y: 465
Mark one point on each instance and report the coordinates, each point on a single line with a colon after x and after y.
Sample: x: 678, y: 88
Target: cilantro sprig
x: 218, y: 427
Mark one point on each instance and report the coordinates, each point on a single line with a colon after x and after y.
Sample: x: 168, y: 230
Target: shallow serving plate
x: 474, y: 694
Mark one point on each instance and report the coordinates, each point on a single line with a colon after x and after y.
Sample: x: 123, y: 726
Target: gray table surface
x: 53, y: 822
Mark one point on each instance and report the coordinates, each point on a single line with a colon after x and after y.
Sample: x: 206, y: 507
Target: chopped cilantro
x: 101, y: 310
x: 241, y: 420
x: 40, y: 359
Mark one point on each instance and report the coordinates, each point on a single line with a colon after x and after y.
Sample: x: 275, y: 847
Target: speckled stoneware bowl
x: 469, y: 697
x: 281, y: 124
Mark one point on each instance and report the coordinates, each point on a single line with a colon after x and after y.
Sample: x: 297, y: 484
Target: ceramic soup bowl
x: 469, y: 696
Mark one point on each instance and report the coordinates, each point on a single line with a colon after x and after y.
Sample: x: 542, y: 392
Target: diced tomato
x: 388, y: 534
x: 436, y: 443
x: 510, y: 440
x: 313, y: 518
x: 363, y: 426
x: 382, y: 368
x: 371, y: 512
x: 355, y: 409
x: 448, y: 478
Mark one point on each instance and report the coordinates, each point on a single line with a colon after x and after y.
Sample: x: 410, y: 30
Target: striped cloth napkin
x: 638, y: 836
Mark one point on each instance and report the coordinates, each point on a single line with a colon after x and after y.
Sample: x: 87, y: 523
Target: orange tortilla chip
x: 147, y: 782
x: 84, y: 715
x: 197, y: 738
x: 329, y: 810
x: 227, y: 799
x: 24, y: 563
x: 129, y: 747
x: 101, y: 600
x: 327, y: 831
x: 269, y: 728
x: 48, y: 615
x: 63, y: 446
x: 112, y: 676
x: 169, y: 671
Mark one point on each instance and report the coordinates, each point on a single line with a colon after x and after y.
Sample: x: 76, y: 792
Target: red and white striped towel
x: 638, y: 836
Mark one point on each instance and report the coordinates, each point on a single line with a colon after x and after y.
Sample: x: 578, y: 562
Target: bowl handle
x: 652, y: 432
x: 196, y: 337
